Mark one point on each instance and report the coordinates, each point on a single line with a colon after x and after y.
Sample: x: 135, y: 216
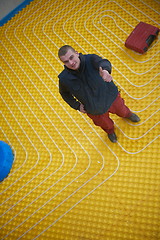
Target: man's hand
x: 105, y: 75
x: 82, y: 108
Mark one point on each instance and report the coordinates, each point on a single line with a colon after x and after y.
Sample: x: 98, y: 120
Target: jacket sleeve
x: 68, y: 97
x: 100, y: 62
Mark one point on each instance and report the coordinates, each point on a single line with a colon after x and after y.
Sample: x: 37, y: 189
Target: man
x: 86, y: 85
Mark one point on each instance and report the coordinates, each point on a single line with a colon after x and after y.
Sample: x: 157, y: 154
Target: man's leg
x: 119, y: 108
x: 106, y: 123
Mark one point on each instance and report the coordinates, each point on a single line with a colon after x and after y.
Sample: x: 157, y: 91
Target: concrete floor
x: 6, y: 6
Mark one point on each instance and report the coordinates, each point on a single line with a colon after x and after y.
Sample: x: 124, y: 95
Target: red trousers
x: 118, y: 107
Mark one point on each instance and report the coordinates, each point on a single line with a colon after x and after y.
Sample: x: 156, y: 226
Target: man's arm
x: 103, y: 66
x: 68, y: 98
x: 100, y: 62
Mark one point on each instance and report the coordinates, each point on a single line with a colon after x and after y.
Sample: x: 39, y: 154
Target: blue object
x: 6, y: 160
x: 14, y: 11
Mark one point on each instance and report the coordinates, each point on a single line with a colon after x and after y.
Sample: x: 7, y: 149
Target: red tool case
x: 141, y: 37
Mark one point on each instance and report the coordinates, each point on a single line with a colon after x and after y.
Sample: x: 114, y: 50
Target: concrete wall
x: 6, y: 6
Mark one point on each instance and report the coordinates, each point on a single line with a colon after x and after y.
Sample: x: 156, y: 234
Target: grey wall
x: 6, y: 6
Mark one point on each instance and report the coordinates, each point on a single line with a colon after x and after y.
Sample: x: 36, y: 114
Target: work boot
x: 134, y: 118
x: 112, y: 137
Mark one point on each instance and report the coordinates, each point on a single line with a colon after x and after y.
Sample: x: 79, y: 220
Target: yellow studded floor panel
x: 68, y: 182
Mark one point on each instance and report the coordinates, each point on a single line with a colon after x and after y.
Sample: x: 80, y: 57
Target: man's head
x: 69, y: 57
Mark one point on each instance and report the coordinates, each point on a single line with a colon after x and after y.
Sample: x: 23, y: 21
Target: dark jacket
x: 86, y: 86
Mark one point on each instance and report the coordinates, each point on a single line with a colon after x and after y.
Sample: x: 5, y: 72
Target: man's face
x: 71, y: 59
